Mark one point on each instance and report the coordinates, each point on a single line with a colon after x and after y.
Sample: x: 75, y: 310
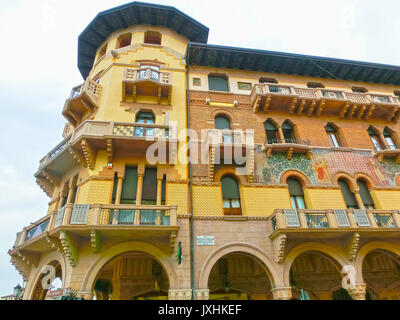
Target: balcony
x: 125, y: 139
x: 315, y: 102
x: 393, y: 152
x: 146, y: 82
x: 74, y: 225
x: 229, y: 147
x: 288, y: 146
x: 339, y: 227
x: 83, y: 101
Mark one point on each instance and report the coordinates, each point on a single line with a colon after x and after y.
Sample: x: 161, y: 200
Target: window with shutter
x: 272, y: 132
x: 296, y: 194
x: 365, y: 195
x: 333, y: 136
x: 129, y: 186
x: 231, y: 196
x: 149, y: 193
x: 389, y: 139
x: 349, y: 197
x: 218, y: 83
x: 288, y: 132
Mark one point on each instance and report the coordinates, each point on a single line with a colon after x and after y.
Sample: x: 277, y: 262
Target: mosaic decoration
x: 323, y: 165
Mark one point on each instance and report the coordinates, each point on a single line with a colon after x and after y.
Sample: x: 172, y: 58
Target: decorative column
x: 141, y: 171
x: 71, y: 186
x: 358, y: 292
x: 356, y: 191
x: 281, y: 135
x: 282, y: 293
x: 119, y: 190
x: 385, y: 144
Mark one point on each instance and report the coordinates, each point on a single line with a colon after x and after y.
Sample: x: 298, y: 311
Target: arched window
x: 296, y: 194
x: 389, y: 139
x: 349, y: 197
x: 218, y: 83
x: 148, y: 118
x: 223, y: 123
x: 333, y: 135
x: 231, y: 196
x: 288, y: 132
x: 272, y: 132
x: 365, y: 195
x: 373, y: 134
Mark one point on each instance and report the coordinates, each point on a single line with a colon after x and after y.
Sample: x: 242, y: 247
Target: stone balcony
x: 392, y: 152
x: 315, y: 102
x: 119, y: 139
x: 229, y: 146
x: 146, y: 82
x: 82, y: 102
x: 76, y: 225
x: 288, y: 146
x: 344, y: 227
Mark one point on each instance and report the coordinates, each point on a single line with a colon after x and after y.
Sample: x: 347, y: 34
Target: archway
x: 131, y: 276
x: 316, y: 276
x: 381, y: 273
x: 239, y: 276
x: 49, y: 280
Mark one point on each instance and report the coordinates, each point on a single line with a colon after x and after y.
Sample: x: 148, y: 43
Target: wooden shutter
x: 129, y: 186
x: 348, y: 196
x: 150, y: 185
x: 222, y: 123
x: 365, y: 194
x: 218, y: 83
x: 230, y: 188
x: 295, y: 188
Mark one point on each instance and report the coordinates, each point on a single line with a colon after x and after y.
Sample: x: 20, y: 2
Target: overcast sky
x: 39, y: 67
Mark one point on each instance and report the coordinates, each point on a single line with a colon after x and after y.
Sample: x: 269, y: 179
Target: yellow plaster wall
x: 324, y: 199
x: 95, y: 192
x: 386, y: 199
x: 207, y: 201
x: 177, y: 194
x: 259, y: 201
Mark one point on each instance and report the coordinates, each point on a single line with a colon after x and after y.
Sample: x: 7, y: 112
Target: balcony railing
x: 234, y: 137
x: 334, y: 219
x: 143, y: 74
x: 299, y: 100
x: 289, y: 141
x: 56, y: 151
x: 93, y: 216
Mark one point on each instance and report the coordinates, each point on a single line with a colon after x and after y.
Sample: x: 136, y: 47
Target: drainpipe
x: 190, y: 181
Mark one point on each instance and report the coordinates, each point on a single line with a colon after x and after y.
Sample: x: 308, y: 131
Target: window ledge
x: 235, y: 218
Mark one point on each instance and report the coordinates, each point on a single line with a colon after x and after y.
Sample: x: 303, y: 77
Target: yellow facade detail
x: 95, y: 192
x: 177, y: 194
x: 386, y: 199
x: 207, y: 201
x: 324, y: 199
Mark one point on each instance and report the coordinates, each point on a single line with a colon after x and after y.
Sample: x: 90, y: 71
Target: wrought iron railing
x: 385, y: 220
x: 317, y: 220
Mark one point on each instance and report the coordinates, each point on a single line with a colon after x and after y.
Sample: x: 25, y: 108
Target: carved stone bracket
x: 90, y: 155
x: 69, y: 248
x: 279, y: 244
x: 172, y: 241
x: 77, y: 157
x: 211, y: 165
x: 22, y: 268
x: 95, y: 241
x: 110, y: 150
x: 353, y: 246
x: 28, y: 258
x: 55, y: 244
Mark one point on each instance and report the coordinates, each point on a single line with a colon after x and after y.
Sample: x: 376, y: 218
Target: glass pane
x: 334, y: 140
x: 300, y: 203
x: 294, y: 203
x: 376, y: 143
x: 390, y: 142
x: 226, y: 204
x: 235, y: 203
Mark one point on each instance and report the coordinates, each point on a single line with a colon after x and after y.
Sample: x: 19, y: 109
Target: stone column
x: 281, y: 135
x: 141, y: 171
x: 159, y: 197
x: 71, y: 186
x: 358, y: 292
x: 384, y: 142
x: 282, y: 293
x: 119, y: 190
x: 356, y: 192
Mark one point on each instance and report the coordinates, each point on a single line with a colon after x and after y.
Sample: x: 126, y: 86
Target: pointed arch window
x: 375, y: 139
x: 231, y: 196
x: 348, y: 195
x: 148, y: 118
x: 288, y: 132
x: 333, y: 136
x: 272, y: 132
x: 296, y: 194
x: 389, y: 139
x: 365, y: 195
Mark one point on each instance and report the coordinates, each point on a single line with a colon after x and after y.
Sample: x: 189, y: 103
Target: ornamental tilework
x: 323, y: 165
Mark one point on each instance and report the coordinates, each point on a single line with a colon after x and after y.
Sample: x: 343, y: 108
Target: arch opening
x: 239, y: 276
x: 46, y: 283
x: 131, y: 276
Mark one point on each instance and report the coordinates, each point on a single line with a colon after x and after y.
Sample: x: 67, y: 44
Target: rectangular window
x: 197, y: 82
x: 218, y: 84
x: 149, y: 194
x: 245, y: 86
x: 152, y: 37
x: 129, y: 186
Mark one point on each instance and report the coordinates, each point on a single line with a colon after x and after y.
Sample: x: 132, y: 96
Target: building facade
x: 195, y: 171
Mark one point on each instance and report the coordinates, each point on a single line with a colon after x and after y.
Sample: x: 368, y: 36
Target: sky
x: 38, y: 54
